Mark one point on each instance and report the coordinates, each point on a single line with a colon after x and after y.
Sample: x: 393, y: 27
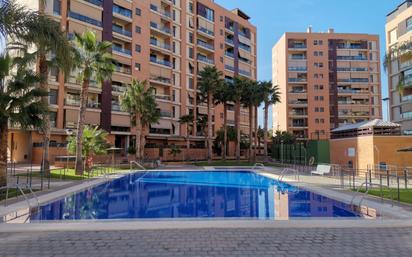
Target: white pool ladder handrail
x: 285, y: 170
x: 18, y: 186
x: 136, y: 164
x: 367, y: 191
x: 258, y: 165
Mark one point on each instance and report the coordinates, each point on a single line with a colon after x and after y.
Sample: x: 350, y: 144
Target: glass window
x: 53, y: 96
x: 409, y: 24
x: 393, y: 36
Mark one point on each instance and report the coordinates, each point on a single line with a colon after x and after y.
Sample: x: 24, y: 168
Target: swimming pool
x: 193, y: 194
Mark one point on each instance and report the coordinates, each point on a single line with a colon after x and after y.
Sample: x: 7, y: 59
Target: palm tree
x: 14, y: 18
x: 174, y: 151
x: 94, y: 143
x: 237, y: 87
x: 19, y: 105
x: 271, y: 95
x: 249, y: 96
x: 223, y: 95
x: 44, y: 35
x: 140, y: 102
x: 93, y: 60
x: 188, y: 120
x: 210, y: 79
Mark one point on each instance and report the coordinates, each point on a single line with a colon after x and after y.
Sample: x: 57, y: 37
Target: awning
x: 244, y: 55
x: 162, y: 124
x: 409, y: 149
x: 244, y: 41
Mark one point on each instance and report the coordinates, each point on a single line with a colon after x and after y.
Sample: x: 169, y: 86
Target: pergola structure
x: 373, y: 127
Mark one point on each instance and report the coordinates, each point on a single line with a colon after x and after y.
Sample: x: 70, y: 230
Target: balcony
x: 230, y: 54
x: 352, y: 91
x: 124, y: 70
x: 122, y: 11
x: 297, y: 57
x: 165, y: 114
x: 243, y: 34
x: 298, y: 113
x: 95, y: 2
x: 118, y: 88
x: 354, y: 80
x: 84, y: 18
x: 245, y: 47
x: 351, y: 46
x: 93, y: 105
x: 161, y: 62
x: 230, y: 41
x: 161, y: 79
x: 155, y: 26
x: 406, y: 115
x: 205, y: 59
x: 298, y: 91
x: 297, y: 69
x: 230, y: 68
x: 122, y: 31
x: 245, y: 73
x: 121, y: 50
x: 297, y: 80
x: 352, y: 69
x: 206, y: 31
x: 164, y: 13
x: 297, y: 46
x: 352, y: 58
x: 116, y: 107
x: 156, y: 43
x: 205, y: 45
x: 72, y: 101
x: 163, y: 97
x: 299, y: 124
x: 298, y: 102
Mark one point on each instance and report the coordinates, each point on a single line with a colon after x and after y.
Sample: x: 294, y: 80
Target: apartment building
x: 166, y: 42
x: 326, y: 80
x: 399, y: 31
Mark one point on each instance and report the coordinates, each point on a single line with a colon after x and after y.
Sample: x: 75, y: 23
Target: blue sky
x: 274, y: 17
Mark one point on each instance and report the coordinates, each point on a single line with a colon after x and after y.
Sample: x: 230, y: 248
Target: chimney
x: 309, y: 30
x: 331, y: 30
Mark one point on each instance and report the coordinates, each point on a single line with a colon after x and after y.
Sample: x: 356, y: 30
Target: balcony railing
x: 84, y: 18
x: 297, y: 46
x: 351, y: 69
x: 124, y: 70
x: 116, y: 107
x: 122, y: 11
x: 294, y: 113
x: 229, y: 67
x: 163, y: 97
x: 352, y: 91
x: 298, y: 102
x: 245, y: 47
x: 243, y: 34
x: 352, y: 58
x: 297, y: 69
x: 245, y: 73
x: 205, y: 30
x: 93, y: 105
x: 301, y: 80
x: 205, y: 45
x: 117, y: 88
x: 229, y: 41
x: 165, y: 114
x: 298, y: 91
x: 154, y: 42
x: 95, y: 2
x: 354, y: 80
x: 345, y: 46
x: 121, y: 50
x: 161, y: 79
x: 205, y: 59
x: 161, y: 62
x: 230, y: 54
x: 122, y: 31
x: 297, y: 57
x: 71, y: 102
x: 165, y: 13
x: 154, y: 25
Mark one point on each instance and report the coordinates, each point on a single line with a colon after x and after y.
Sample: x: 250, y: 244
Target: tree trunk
x: 80, y: 126
x: 138, y: 137
x: 251, y: 133
x: 265, y: 128
x: 237, y: 122
x: 224, y: 131
x: 257, y: 144
x: 44, y: 73
x: 3, y: 153
x: 209, y: 128
x: 187, y: 142
x: 143, y: 142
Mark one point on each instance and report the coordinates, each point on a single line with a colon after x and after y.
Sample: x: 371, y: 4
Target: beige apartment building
x: 326, y: 80
x: 398, y: 31
x: 166, y: 42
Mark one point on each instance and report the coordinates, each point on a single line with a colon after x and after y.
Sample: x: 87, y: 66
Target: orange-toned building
x: 326, y: 80
x: 162, y: 41
x: 370, y: 144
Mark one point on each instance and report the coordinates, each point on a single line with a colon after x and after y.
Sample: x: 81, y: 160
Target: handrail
x: 285, y: 170
x: 136, y: 164
x: 257, y: 165
x: 18, y: 186
x: 367, y: 191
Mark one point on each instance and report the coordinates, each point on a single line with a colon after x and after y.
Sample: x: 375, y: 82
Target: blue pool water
x: 197, y: 194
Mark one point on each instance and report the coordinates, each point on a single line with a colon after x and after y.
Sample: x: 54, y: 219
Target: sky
x: 275, y: 17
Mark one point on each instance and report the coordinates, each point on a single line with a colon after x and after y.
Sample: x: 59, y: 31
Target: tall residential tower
x: 326, y: 80
x: 166, y: 42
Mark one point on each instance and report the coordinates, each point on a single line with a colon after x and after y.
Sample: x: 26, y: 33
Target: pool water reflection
x: 204, y: 194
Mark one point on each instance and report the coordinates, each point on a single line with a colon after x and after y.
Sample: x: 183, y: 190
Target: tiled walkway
x: 213, y: 242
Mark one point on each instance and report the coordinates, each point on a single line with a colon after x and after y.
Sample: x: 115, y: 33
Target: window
x: 138, y: 12
x: 53, y: 119
x: 315, y: 42
x: 191, y: 7
x: 409, y: 24
x: 190, y: 37
x: 191, y: 52
x: 137, y: 66
x: 138, y: 48
x: 56, y: 7
x: 53, y: 96
x: 138, y: 29
x: 320, y: 42
x: 393, y: 36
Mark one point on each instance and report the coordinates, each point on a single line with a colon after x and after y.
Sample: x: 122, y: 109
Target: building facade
x: 326, y: 80
x: 164, y: 42
x: 398, y: 31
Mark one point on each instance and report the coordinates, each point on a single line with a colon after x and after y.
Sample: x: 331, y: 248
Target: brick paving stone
x: 243, y: 242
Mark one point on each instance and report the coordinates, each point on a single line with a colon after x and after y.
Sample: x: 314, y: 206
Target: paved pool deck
x: 387, y: 236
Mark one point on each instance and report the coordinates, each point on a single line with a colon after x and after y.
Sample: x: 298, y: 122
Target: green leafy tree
x: 93, y: 60
x: 139, y: 100
x: 237, y: 88
x: 271, y: 96
x: 15, y: 18
x: 210, y: 78
x: 175, y: 150
x: 249, y: 98
x: 285, y: 137
x: 223, y: 95
x: 94, y: 143
x: 188, y: 120
x: 20, y: 104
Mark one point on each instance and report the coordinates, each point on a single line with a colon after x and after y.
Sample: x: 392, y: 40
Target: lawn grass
x: 13, y: 192
x: 232, y: 163
x: 405, y: 194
